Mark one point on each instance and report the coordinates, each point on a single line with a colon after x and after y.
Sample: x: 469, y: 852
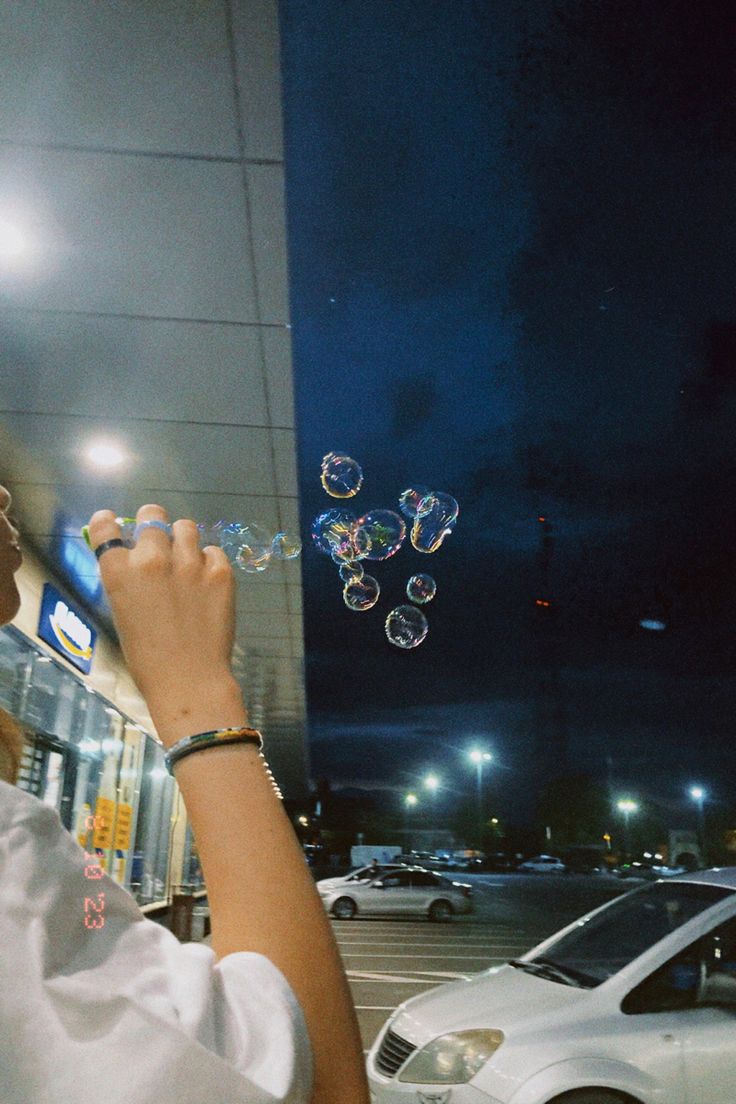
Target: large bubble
x: 342, y: 477
x: 406, y: 626
x: 410, y: 499
x: 333, y: 534
x: 381, y: 532
x: 435, y: 520
x: 421, y: 589
x: 361, y: 594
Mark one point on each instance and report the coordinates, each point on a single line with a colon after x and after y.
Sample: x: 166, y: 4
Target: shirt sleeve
x: 125, y: 1011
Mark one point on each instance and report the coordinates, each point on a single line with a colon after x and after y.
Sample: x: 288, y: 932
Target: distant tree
x: 577, y: 809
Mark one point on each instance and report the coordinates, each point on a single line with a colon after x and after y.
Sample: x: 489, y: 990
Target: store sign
x: 66, y: 629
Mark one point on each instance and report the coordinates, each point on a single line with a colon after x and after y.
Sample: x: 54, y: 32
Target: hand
x: 173, y: 604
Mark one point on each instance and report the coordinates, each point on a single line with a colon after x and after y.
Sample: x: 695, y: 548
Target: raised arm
x: 173, y: 606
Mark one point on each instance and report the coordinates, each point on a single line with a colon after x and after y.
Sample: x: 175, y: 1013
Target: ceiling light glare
x: 105, y: 455
x: 12, y: 242
x: 653, y: 625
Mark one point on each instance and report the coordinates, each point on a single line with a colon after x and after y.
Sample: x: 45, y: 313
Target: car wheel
x: 440, y: 910
x: 344, y: 908
x: 593, y: 1096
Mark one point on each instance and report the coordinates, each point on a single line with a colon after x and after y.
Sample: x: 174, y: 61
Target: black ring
x: 116, y: 542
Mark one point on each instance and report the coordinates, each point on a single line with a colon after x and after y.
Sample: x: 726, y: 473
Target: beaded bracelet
x: 219, y: 737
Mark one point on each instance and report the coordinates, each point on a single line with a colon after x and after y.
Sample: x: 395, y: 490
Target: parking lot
x: 388, y: 961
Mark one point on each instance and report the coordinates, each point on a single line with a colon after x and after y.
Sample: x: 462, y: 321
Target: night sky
x: 511, y: 248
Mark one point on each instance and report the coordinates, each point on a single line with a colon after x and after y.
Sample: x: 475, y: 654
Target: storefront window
x: 154, y: 815
x: 104, y: 776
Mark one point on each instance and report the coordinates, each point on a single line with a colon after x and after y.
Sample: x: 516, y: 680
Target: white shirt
x: 126, y: 1014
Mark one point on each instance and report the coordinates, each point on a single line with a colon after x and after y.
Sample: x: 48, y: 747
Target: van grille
x: 393, y: 1052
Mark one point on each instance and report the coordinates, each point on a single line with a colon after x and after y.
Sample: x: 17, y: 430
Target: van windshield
x: 598, y: 948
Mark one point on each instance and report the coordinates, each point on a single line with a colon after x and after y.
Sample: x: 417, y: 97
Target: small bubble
x: 382, y: 532
x: 342, y: 477
x: 351, y: 571
x: 254, y: 553
x: 285, y: 547
x: 421, y: 589
x: 406, y: 626
x: 361, y: 594
x: 435, y: 520
x: 410, y: 499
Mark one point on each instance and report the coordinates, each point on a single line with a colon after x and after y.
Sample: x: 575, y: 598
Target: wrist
x: 203, y: 707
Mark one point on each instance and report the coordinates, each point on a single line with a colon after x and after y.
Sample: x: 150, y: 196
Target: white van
x: 635, y: 1003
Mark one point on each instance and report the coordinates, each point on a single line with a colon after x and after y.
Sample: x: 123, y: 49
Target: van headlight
x: 452, y: 1059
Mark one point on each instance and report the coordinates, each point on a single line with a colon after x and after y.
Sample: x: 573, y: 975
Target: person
x: 374, y: 869
x: 127, y: 1011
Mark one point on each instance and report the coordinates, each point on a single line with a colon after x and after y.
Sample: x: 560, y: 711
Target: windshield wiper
x: 550, y: 971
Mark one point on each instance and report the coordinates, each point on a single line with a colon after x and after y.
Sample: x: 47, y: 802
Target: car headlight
x: 452, y: 1059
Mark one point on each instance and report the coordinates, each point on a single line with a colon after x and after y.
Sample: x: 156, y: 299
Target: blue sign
x: 66, y: 629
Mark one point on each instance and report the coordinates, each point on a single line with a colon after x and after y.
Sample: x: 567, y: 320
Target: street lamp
x: 410, y: 801
x: 479, y: 758
x: 432, y: 783
x: 627, y: 807
x: 697, y: 793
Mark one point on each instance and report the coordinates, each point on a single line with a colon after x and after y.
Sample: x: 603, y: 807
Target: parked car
x: 646, y: 871
x: 410, y: 891
x: 542, y: 864
x: 635, y: 1002
x: 499, y: 861
x: 362, y: 874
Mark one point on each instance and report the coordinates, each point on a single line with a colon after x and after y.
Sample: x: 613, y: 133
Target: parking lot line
x: 413, y: 943
x: 355, y: 954
x: 391, y: 979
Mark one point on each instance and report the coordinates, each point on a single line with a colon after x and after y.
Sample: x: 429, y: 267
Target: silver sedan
x: 407, y: 892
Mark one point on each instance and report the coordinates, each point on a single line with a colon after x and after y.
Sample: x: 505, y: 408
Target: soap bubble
x: 229, y: 535
x: 254, y: 553
x: 436, y: 517
x: 421, y: 588
x: 334, y: 532
x: 285, y: 547
x: 406, y: 626
x: 361, y: 594
x: 351, y: 571
x: 381, y: 532
x: 342, y: 477
x: 410, y: 499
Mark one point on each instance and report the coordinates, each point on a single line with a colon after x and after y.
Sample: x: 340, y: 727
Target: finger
x: 153, y: 539
x: 103, y: 527
x: 186, y: 548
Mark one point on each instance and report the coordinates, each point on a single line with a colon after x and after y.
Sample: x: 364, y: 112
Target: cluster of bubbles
x: 247, y: 546
x: 378, y: 535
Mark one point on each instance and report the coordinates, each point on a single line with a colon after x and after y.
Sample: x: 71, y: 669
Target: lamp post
x: 479, y: 758
x: 410, y: 801
x: 627, y: 807
x: 697, y: 793
x: 432, y: 783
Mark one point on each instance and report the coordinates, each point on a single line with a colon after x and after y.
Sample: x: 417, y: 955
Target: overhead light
x: 652, y: 625
x: 12, y: 242
x: 105, y: 454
